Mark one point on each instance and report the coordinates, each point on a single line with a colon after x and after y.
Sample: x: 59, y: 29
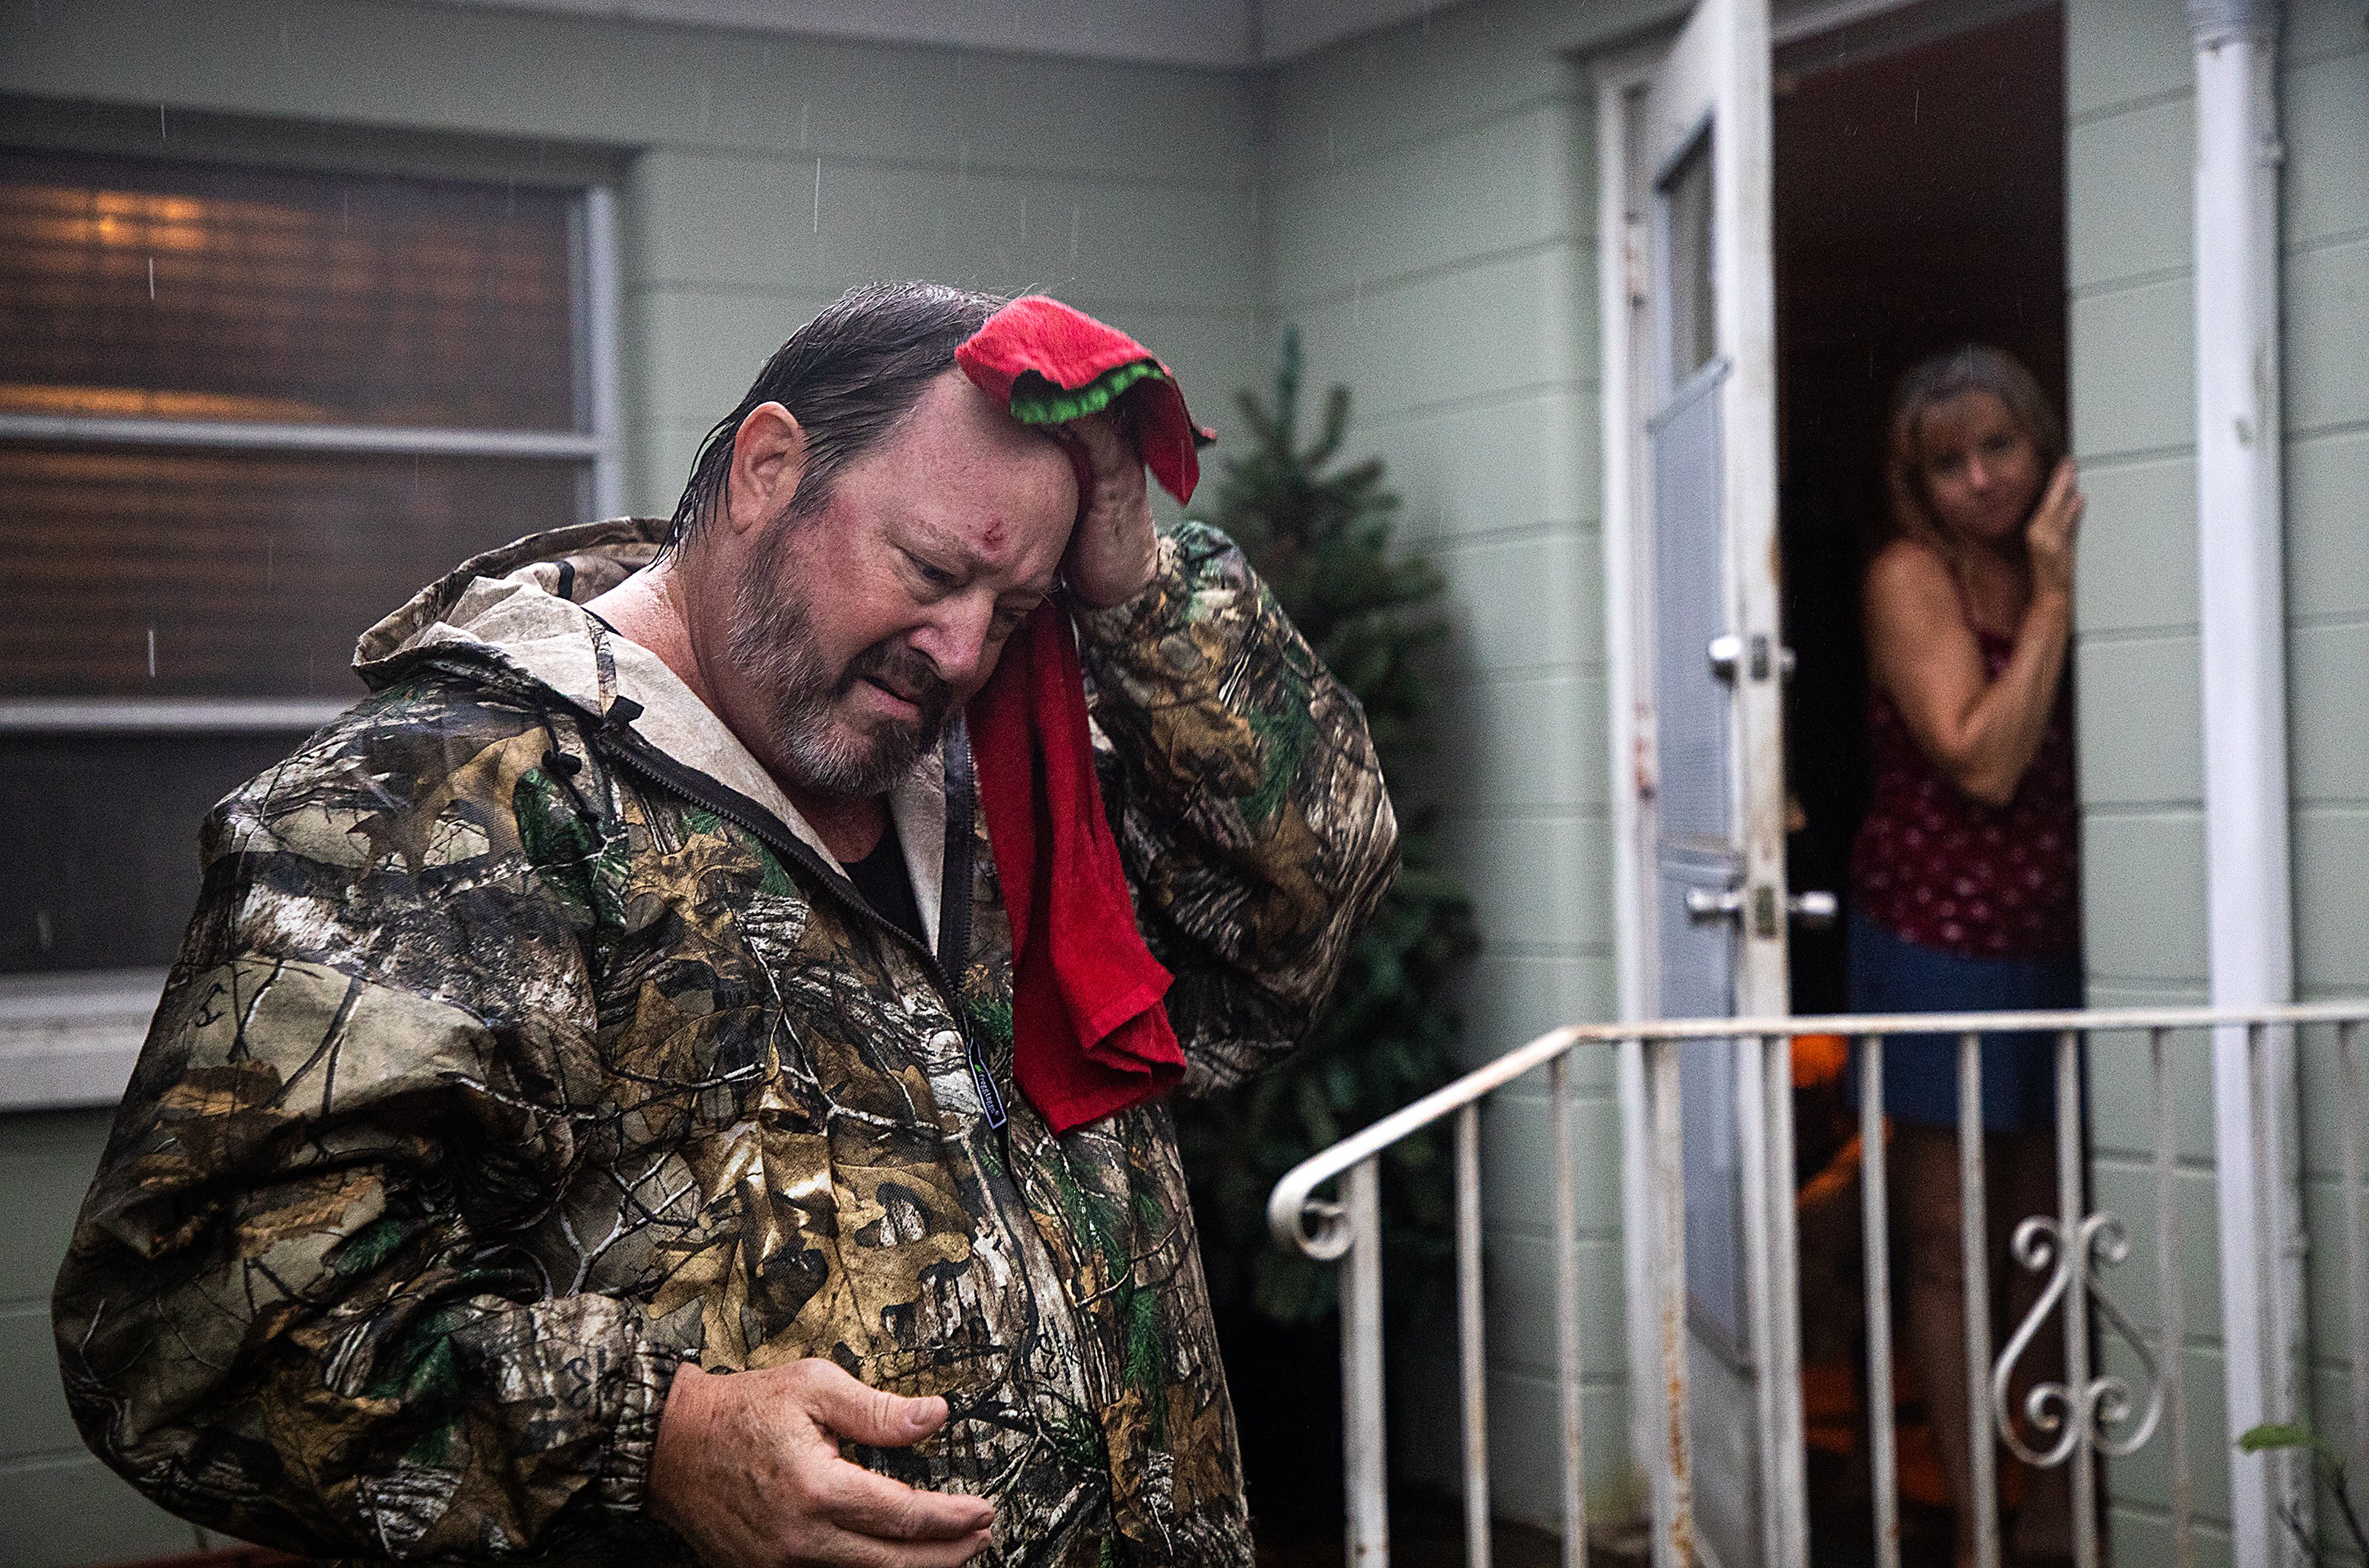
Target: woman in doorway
x: 1964, y: 876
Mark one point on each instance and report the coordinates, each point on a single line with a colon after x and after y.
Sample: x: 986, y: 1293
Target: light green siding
x: 1433, y: 237
x: 58, y: 1505
x: 1129, y: 191
x: 1421, y: 203
x: 2130, y: 145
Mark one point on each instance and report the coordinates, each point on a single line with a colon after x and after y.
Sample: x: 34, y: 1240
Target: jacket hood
x: 509, y: 617
x: 512, y: 620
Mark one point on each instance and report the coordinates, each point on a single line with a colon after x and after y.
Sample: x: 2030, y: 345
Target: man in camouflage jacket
x: 532, y: 1058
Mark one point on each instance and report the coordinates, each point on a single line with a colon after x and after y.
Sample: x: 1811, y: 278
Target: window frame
x: 69, y: 1038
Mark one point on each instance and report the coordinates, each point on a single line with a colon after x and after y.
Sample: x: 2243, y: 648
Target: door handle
x: 1727, y: 656
x: 1707, y: 904
x: 1812, y: 912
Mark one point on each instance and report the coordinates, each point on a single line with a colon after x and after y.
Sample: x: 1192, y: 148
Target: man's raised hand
x: 748, y: 1469
x: 1111, y: 554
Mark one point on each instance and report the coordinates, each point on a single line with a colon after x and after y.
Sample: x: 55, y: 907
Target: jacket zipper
x: 668, y: 775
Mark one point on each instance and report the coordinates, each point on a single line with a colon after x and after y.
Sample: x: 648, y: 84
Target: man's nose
x: 954, y: 639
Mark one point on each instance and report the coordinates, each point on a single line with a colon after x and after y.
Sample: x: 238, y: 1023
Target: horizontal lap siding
x: 1432, y: 197
x: 2129, y: 253
x: 58, y: 1505
x: 2130, y: 237
x: 2324, y: 109
x: 1128, y: 190
x: 2324, y: 215
x: 729, y: 253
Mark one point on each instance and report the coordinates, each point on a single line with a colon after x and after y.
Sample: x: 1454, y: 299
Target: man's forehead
x: 952, y: 408
x: 958, y: 430
x: 962, y: 472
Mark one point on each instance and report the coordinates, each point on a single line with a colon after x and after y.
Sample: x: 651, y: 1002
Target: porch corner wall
x: 1432, y: 194
x: 2129, y: 145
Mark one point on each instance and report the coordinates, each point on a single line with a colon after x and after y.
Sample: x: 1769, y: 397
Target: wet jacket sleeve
x: 1248, y: 804
x: 294, y: 1309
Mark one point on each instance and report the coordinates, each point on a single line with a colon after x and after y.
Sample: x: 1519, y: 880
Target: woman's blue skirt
x: 1891, y: 974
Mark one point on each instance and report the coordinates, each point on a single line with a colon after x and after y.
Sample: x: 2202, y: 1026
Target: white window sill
x: 69, y: 1040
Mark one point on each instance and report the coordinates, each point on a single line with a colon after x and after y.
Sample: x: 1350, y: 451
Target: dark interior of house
x: 1919, y: 204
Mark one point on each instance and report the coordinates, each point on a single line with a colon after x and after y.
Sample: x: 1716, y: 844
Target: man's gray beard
x: 772, y: 642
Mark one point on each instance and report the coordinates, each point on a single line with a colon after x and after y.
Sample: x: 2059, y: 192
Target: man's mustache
x: 905, y: 672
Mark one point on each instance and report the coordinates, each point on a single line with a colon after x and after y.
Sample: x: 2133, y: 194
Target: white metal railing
x: 2080, y: 1419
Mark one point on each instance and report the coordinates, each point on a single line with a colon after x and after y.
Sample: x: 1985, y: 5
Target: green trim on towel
x: 1036, y: 400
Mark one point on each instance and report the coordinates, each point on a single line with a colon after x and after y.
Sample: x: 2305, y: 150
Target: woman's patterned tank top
x: 1939, y: 868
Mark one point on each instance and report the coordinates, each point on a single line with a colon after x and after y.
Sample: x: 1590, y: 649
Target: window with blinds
x: 244, y: 414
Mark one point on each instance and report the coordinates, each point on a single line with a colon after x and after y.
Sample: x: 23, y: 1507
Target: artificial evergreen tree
x: 1323, y: 544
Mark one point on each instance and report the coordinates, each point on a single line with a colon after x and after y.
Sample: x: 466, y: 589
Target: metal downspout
x: 2241, y: 608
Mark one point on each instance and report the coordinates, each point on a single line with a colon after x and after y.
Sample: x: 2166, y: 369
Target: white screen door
x: 1691, y: 430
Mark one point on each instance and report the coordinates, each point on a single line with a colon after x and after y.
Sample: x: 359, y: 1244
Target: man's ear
x: 769, y: 457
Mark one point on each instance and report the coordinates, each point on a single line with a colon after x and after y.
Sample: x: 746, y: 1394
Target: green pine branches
x: 1321, y: 541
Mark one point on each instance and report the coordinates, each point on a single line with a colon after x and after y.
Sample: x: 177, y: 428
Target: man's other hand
x: 748, y: 1471
x: 1113, y: 553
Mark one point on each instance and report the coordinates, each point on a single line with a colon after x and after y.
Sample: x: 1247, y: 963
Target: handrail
x: 2098, y: 1416
x: 1290, y: 1205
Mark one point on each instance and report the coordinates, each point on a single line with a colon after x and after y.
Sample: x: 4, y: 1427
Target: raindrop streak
x: 152, y: 652
x: 818, y: 212
x: 1915, y: 106
x: 160, y: 124
x: 152, y: 279
x: 41, y: 929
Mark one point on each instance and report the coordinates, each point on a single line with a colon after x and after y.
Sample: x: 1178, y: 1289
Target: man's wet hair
x: 848, y: 377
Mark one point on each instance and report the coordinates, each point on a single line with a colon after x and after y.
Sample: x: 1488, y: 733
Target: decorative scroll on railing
x: 2100, y: 1403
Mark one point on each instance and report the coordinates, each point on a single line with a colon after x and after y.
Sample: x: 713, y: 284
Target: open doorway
x: 1919, y: 204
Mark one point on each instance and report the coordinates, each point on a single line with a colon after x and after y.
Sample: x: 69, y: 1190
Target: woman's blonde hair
x: 1936, y: 379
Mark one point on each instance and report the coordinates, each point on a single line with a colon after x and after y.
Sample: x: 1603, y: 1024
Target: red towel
x: 1090, y: 1035
x: 1048, y: 363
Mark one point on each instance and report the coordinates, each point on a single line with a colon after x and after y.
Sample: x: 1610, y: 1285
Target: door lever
x: 1707, y: 904
x: 1812, y: 912
x: 1726, y: 653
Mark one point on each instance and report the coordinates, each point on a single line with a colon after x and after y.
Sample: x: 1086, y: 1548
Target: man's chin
x: 868, y: 758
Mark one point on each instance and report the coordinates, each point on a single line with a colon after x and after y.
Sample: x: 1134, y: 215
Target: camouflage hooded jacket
x: 525, y: 1043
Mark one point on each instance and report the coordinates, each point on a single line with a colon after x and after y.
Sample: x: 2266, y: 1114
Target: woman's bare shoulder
x: 1909, y: 573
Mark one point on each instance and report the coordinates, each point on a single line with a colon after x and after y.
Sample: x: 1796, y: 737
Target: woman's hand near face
x: 2049, y: 535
